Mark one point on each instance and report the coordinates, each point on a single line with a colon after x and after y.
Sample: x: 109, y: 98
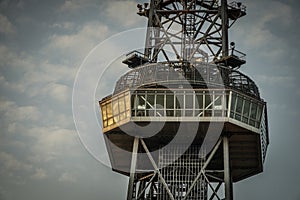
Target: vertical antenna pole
x: 224, y: 16
x: 227, y: 170
x: 149, y: 30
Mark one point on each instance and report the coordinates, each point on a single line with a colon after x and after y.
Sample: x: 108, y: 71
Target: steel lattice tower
x: 186, y: 81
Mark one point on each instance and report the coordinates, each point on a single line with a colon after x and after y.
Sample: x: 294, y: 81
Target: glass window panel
x: 121, y: 105
x: 149, y: 113
x: 198, y: 113
x: 179, y: 101
x: 189, y: 101
x: 208, y: 103
x: 115, y: 107
x: 140, y: 113
x: 110, y: 122
x: 207, y: 113
x: 226, y: 100
x: 233, y: 101
x: 105, y: 123
x: 253, y: 110
x: 252, y: 122
x: 160, y: 113
x: 218, y: 113
x: 199, y: 101
x: 109, y: 111
x: 259, y: 111
x: 150, y: 101
x: 170, y: 101
x: 225, y: 113
x: 257, y: 124
x: 104, y: 114
x: 170, y: 113
x: 127, y: 102
x: 245, y: 120
x: 133, y: 113
x: 188, y: 113
x: 238, y: 117
x: 160, y: 101
x: 133, y: 101
x: 128, y: 113
x: 141, y: 104
x: 246, y: 109
x: 122, y: 116
x: 218, y: 100
x: 178, y: 113
x: 239, y: 104
x: 116, y: 118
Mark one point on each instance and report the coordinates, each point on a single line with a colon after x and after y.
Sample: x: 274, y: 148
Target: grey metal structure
x: 187, y: 80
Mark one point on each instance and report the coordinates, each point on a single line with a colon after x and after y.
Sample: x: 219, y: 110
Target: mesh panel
x: 180, y: 174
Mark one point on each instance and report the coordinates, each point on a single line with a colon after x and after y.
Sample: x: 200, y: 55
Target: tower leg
x: 131, y: 186
x: 227, y: 170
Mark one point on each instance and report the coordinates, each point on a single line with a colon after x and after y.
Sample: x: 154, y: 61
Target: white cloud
x: 39, y: 174
x: 11, y: 86
x: 80, y: 43
x: 37, y: 75
x: 6, y: 56
x: 10, y: 164
x: 256, y: 33
x: 64, y: 25
x: 14, y: 113
x: 76, y: 5
x: 52, y: 143
x: 67, y: 177
x: 123, y: 12
x: 59, y: 92
x: 6, y: 26
x: 70, y: 6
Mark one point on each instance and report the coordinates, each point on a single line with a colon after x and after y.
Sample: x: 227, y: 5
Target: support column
x: 227, y: 170
x: 130, y: 192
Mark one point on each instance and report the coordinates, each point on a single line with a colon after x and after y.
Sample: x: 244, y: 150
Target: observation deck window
x: 179, y: 103
x: 172, y: 105
x: 246, y: 110
x: 115, y: 110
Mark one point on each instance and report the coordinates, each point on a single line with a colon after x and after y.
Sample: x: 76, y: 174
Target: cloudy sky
x: 42, y: 46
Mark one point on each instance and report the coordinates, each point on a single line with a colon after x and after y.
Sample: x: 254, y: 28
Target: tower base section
x: 187, y: 178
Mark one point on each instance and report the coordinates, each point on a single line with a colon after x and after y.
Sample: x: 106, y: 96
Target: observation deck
x: 192, y: 96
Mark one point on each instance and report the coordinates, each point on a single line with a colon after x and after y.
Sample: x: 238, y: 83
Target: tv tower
x: 184, y: 122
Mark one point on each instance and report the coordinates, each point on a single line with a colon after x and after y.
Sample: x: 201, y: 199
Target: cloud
x: 14, y: 113
x: 40, y: 174
x: 6, y: 26
x: 10, y: 165
x: 75, y: 5
x: 52, y: 143
x: 78, y: 44
x: 59, y: 92
x: 67, y: 178
x: 258, y: 32
x: 34, y: 77
x: 70, y: 6
x: 123, y: 13
x: 64, y: 25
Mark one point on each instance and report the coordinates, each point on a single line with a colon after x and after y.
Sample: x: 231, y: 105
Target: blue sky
x: 42, y: 45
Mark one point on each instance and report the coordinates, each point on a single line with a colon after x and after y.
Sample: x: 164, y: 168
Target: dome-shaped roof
x: 179, y: 74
